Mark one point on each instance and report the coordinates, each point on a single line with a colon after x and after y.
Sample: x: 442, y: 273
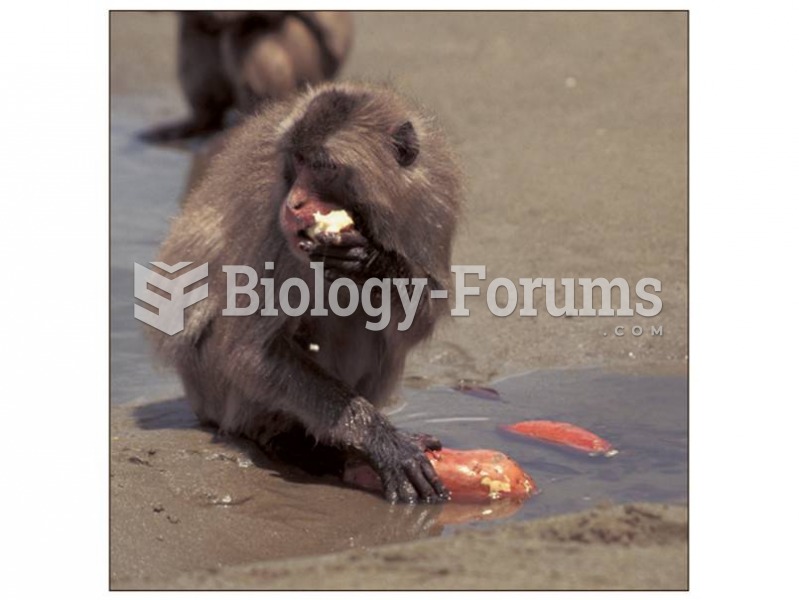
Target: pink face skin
x: 297, y: 215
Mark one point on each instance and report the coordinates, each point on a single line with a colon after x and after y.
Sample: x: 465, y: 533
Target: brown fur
x: 254, y: 375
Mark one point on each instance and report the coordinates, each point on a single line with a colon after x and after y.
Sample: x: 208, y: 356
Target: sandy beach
x: 572, y: 131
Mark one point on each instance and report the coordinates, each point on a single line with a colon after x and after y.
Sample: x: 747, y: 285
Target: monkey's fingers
x: 353, y: 265
x: 355, y: 253
x: 407, y: 492
x: 432, y: 476
x: 334, y: 269
x: 344, y: 239
x: 409, y: 486
x: 425, y: 442
x: 392, y: 494
x: 425, y: 480
x: 397, y: 489
x: 408, y: 476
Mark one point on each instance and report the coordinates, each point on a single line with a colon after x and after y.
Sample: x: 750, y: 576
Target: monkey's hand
x: 349, y: 254
x: 335, y: 415
x: 406, y: 473
x: 425, y: 442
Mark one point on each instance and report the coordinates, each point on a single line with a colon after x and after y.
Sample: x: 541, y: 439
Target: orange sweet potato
x: 565, y: 434
x: 480, y: 475
x: 471, y: 475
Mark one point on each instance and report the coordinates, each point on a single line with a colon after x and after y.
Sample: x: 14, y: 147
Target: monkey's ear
x: 406, y: 144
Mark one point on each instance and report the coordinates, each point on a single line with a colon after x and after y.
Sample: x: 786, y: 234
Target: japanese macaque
x: 346, y: 175
x: 237, y: 59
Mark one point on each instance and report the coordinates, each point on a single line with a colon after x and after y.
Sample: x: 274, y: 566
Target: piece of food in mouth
x: 472, y: 476
x: 331, y: 224
x: 565, y: 434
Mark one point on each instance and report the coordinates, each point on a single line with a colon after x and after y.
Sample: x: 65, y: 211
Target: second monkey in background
x: 237, y: 59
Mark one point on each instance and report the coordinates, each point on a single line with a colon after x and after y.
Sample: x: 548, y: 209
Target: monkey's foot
x: 181, y: 130
x: 296, y: 448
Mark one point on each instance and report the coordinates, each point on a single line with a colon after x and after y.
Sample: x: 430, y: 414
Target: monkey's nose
x: 298, y: 197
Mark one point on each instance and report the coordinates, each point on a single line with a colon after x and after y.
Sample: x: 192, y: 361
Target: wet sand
x: 572, y: 132
x: 646, y: 544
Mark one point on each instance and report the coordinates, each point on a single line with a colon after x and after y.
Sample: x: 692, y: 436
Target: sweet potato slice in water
x: 565, y: 434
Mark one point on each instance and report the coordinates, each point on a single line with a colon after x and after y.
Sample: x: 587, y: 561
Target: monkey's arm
x: 335, y: 415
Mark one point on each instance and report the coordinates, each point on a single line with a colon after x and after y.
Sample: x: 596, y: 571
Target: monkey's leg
x: 296, y: 447
x: 197, y: 124
x: 203, y: 80
x: 335, y: 415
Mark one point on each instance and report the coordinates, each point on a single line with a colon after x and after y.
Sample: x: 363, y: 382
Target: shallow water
x: 644, y: 417
x: 146, y: 183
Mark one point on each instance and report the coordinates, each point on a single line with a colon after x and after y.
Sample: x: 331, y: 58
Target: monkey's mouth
x: 316, y: 222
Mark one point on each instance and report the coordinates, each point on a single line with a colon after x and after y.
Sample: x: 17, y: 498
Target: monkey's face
x: 318, y: 184
x: 360, y: 152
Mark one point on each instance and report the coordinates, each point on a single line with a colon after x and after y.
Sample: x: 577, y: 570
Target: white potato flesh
x: 335, y: 221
